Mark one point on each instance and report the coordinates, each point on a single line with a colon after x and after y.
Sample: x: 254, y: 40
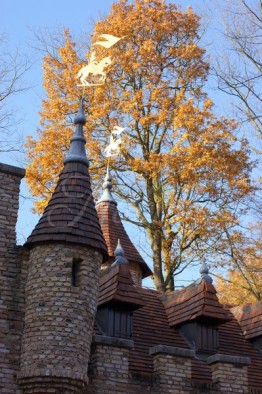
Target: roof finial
x: 204, y: 272
x: 77, y: 152
x: 107, y: 186
x: 119, y: 255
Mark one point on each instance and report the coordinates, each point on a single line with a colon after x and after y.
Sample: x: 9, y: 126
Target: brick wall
x: 229, y: 373
x: 109, y: 369
x: 59, y: 317
x: 10, y: 178
x: 109, y: 365
x: 11, y: 292
x: 172, y: 369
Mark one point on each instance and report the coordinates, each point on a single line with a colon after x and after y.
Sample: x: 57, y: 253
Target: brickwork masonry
x: 59, y: 316
x: 230, y: 373
x: 11, y: 282
x: 109, y: 366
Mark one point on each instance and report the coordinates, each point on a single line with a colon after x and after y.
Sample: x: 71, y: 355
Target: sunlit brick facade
x: 73, y: 322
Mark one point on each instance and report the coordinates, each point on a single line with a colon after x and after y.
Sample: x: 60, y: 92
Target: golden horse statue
x: 94, y: 68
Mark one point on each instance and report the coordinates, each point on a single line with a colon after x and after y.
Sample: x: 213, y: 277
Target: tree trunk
x: 155, y: 238
x: 169, y: 283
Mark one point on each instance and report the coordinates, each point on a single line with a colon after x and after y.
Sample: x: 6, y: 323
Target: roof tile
x: 249, y: 317
x: 195, y: 301
x: 70, y: 214
x: 117, y: 285
x: 113, y: 230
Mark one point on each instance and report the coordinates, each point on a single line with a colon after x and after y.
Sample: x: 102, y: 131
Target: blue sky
x: 19, y: 20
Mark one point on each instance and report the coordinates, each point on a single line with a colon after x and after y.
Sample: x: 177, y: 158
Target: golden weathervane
x: 95, y: 67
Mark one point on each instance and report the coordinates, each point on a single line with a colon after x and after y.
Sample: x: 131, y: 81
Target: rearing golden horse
x: 94, y: 68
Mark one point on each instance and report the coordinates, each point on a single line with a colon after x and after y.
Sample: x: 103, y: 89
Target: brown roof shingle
x: 117, y: 285
x: 151, y: 327
x: 113, y: 229
x: 70, y: 215
x: 196, y: 300
x: 232, y: 341
x: 249, y: 317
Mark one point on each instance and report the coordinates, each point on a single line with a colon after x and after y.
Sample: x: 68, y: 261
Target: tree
x: 244, y: 276
x: 240, y: 71
x: 12, y: 68
x: 239, y: 74
x: 180, y: 168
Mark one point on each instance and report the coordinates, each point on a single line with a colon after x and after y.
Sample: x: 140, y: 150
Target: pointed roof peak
x: 119, y: 255
x: 113, y: 229
x: 77, y: 152
x: 204, y: 272
x: 107, y: 186
x: 196, y: 301
x: 80, y: 116
x: 70, y: 215
x: 117, y: 286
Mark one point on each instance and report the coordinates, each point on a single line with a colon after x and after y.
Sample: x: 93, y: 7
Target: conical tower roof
x: 70, y: 215
x: 113, y: 229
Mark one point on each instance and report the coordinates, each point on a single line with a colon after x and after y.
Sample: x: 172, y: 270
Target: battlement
x: 10, y: 178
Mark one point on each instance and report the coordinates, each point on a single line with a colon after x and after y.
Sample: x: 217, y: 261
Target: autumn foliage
x: 243, y: 283
x: 181, y: 168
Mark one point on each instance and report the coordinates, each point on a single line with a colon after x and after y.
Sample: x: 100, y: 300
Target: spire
x: 77, y: 152
x: 107, y: 186
x: 204, y: 272
x: 119, y: 255
x: 70, y: 215
x: 113, y: 229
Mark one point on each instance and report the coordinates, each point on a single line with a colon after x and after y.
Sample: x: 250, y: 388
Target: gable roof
x: 249, y: 317
x: 232, y: 342
x: 195, y: 301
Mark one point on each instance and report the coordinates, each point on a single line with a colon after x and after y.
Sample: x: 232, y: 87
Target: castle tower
x: 66, y: 251
x: 113, y: 230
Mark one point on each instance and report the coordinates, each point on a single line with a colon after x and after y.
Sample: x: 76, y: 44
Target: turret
x: 113, y: 230
x: 66, y: 251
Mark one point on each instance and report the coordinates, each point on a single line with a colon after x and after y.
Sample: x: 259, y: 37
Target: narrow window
x: 201, y: 336
x: 114, y: 322
x: 75, y: 277
x: 207, y: 338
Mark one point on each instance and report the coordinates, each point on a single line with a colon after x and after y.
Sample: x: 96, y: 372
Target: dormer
x: 118, y: 298
x: 196, y: 313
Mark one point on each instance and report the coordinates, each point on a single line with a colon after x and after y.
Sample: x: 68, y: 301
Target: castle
x: 67, y: 328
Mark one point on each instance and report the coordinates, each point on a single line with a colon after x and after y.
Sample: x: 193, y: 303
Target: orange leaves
x: 243, y: 282
x: 185, y: 175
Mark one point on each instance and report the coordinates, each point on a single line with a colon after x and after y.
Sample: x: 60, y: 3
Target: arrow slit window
x: 76, y: 272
